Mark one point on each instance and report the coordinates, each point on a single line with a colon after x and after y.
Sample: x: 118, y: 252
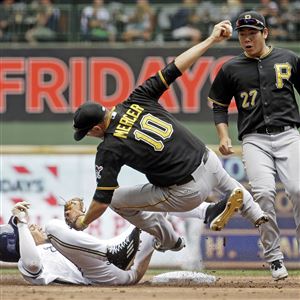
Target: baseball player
x: 62, y: 255
x: 181, y: 171
x: 262, y: 81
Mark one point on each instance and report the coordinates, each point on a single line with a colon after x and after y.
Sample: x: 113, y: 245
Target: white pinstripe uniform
x: 81, y: 259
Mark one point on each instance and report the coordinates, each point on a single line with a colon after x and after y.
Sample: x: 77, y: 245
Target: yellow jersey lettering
x: 132, y: 113
x: 123, y: 128
x: 283, y: 72
x: 121, y: 134
x: 127, y: 121
x: 137, y: 108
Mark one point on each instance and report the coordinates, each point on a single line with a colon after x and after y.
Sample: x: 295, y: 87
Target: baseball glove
x: 74, y: 209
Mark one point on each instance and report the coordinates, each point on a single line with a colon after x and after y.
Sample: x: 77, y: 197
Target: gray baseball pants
x: 136, y: 203
x: 265, y: 155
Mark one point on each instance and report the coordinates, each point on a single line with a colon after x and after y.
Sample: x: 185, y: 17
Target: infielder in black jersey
x: 181, y: 171
x: 262, y: 81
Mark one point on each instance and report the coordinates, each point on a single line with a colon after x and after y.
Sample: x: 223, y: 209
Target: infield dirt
x: 13, y: 287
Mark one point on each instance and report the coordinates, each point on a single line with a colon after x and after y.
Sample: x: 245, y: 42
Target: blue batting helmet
x: 9, y: 242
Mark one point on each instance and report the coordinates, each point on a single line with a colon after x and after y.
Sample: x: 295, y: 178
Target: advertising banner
x: 49, y: 84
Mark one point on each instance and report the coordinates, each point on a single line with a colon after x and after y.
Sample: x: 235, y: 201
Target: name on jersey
x: 127, y: 121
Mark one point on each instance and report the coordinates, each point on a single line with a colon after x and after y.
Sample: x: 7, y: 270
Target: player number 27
x: 249, y: 98
x: 156, y: 126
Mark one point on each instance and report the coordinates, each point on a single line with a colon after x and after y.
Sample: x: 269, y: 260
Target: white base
x: 183, y: 278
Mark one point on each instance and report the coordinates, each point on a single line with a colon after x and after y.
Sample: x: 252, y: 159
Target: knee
x: 54, y: 227
x: 123, y: 212
x: 264, y: 195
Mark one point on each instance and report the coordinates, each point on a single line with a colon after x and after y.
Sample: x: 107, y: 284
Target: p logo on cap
x: 250, y: 19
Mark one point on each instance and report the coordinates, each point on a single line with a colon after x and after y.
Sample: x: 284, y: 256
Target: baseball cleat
x: 122, y: 255
x: 180, y: 244
x: 278, y: 270
x: 218, y: 214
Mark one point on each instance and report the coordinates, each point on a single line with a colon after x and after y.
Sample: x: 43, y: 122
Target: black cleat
x: 217, y: 215
x: 123, y: 254
x: 180, y: 244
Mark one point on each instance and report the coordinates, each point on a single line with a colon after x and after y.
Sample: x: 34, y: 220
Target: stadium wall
x: 41, y: 88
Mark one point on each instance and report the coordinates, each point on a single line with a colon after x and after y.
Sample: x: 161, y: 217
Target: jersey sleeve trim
x: 163, y: 79
x: 219, y: 103
x: 107, y: 188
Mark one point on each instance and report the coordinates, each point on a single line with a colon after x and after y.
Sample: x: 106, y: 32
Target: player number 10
x: 156, y: 126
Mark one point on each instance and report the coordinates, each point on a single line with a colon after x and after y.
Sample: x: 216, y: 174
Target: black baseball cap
x: 86, y: 117
x: 250, y: 19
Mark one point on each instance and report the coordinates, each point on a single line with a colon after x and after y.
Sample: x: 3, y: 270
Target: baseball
x: 228, y: 32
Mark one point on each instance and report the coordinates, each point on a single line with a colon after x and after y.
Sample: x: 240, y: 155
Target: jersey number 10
x: 157, y: 127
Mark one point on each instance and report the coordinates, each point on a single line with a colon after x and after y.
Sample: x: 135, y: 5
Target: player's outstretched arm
x: 30, y: 257
x: 222, y: 31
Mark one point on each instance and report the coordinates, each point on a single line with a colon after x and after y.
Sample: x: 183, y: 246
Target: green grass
x: 9, y: 271
x: 248, y: 272
x: 242, y: 273
x: 61, y: 133
x: 222, y: 273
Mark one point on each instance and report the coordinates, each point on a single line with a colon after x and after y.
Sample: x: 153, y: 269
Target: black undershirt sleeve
x: 103, y: 196
x: 170, y: 73
x: 220, y: 114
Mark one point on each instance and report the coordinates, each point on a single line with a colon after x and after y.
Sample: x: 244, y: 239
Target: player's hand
x: 222, y: 31
x: 225, y: 146
x: 20, y: 211
x: 74, y: 213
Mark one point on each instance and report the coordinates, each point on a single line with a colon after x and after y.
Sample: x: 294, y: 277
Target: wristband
x: 79, y: 225
x: 82, y: 224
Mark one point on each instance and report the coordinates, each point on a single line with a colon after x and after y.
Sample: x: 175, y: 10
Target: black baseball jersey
x: 262, y: 88
x: 146, y: 137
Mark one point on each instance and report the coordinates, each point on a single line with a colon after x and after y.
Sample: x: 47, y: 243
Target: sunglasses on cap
x: 249, y: 22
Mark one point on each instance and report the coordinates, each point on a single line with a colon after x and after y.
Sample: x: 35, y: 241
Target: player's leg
x: 197, y: 213
x: 91, y: 254
x: 216, y: 177
x: 143, y: 256
x: 139, y: 267
x: 261, y: 175
x: 135, y: 203
x: 288, y: 167
x: 217, y: 214
x: 74, y: 243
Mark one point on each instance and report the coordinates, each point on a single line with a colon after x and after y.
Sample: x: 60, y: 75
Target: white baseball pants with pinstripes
x: 88, y: 253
